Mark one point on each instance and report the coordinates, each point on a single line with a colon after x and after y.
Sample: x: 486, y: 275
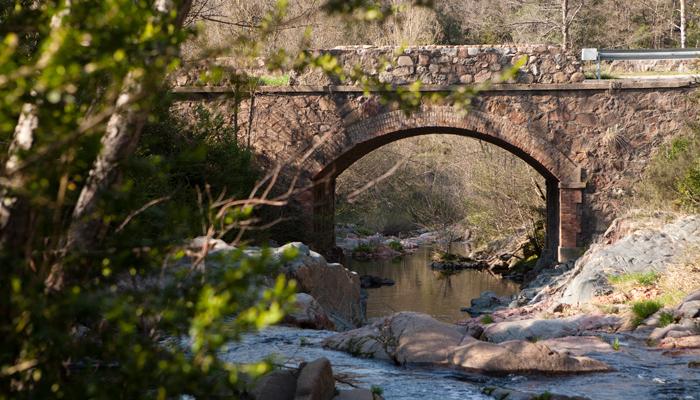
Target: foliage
x: 616, y: 344
x: 643, y: 309
x: 543, y: 396
x: 133, y: 314
x: 443, y: 182
x: 673, y: 176
x: 527, y: 263
x: 486, y: 319
x: 363, y: 249
x: 377, y: 390
x: 396, y: 245
x: 182, y: 160
x: 282, y: 80
x: 666, y: 318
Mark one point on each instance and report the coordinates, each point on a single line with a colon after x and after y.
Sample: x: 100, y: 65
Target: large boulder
x: 405, y: 337
x: 335, y: 288
x: 315, y: 381
x: 639, y: 247
x: 308, y: 314
x: 520, y: 356
x: 277, y: 385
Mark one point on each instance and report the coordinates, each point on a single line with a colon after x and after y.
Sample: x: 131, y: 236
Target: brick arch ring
x: 564, y: 181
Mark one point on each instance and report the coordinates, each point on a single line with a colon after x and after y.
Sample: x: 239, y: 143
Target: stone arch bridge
x: 590, y: 140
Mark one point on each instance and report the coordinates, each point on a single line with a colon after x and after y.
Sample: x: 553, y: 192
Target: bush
x: 644, y: 309
x: 185, y: 162
x: 665, y: 319
x: 363, y: 250
x: 673, y: 176
x: 396, y: 245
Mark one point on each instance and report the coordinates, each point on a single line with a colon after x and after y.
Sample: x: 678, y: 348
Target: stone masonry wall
x: 432, y: 65
x: 448, y: 65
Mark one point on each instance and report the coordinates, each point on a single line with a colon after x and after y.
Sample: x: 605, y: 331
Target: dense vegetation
x: 588, y: 23
x: 100, y: 190
x: 672, y: 179
x: 446, y: 183
x: 101, y: 186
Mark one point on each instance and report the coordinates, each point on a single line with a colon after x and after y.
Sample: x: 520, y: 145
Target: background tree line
x: 573, y: 23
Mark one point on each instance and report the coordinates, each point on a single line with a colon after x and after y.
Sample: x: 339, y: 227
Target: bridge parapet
x: 450, y: 65
x: 432, y: 65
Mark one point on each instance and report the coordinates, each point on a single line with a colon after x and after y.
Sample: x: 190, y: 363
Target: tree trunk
x: 564, y: 24
x: 120, y: 140
x: 13, y: 218
x: 683, y: 24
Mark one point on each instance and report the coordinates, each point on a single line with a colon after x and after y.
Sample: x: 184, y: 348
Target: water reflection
x: 419, y: 288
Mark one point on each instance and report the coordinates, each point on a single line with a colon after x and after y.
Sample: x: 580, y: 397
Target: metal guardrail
x: 645, y: 54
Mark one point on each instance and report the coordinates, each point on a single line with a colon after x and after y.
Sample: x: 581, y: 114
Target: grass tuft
x: 665, y: 319
x: 378, y: 390
x: 486, y: 319
x: 282, y: 80
x: 641, y: 278
x: 643, y: 309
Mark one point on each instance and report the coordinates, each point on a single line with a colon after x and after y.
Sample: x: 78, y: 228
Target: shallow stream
x: 640, y: 373
x: 419, y: 288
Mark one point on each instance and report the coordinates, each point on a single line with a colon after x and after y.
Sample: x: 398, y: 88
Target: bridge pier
x: 570, y: 212
x: 323, y: 219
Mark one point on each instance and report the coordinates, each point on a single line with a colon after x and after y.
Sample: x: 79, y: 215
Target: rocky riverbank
x: 618, y: 309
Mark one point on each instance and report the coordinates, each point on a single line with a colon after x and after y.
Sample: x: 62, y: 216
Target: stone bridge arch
x: 562, y: 175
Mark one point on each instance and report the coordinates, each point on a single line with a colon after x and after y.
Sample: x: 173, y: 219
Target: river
x: 419, y: 288
x: 640, y: 372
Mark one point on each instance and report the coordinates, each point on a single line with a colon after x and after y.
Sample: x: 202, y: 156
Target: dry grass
x: 681, y: 278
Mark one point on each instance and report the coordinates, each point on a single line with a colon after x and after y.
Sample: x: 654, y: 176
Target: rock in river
x: 405, y: 337
x: 520, y: 356
x: 409, y: 337
x: 334, y: 287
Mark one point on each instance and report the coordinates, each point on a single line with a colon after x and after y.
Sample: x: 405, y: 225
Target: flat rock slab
x: 578, y: 345
x: 688, y: 342
x: 519, y: 356
x: 529, y: 329
x: 540, y: 329
x: 648, y: 249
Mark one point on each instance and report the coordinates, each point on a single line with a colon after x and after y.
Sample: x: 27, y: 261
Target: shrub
x: 673, y: 176
x: 643, y: 309
x: 183, y: 161
x: 665, y: 319
x: 396, y: 245
x: 363, y: 249
x: 378, y: 390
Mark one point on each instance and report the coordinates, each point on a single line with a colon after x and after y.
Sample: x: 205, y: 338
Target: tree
x: 91, y: 304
